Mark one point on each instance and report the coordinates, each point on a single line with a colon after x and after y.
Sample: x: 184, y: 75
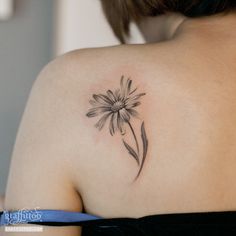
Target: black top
x: 196, y: 224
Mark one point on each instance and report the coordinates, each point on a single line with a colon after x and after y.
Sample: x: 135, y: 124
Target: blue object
x: 32, y: 216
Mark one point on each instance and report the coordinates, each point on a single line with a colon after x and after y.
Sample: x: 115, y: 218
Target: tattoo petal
x: 111, y: 96
x: 124, y: 115
x: 120, y: 124
x: 134, y: 98
x: 122, y: 88
x: 132, y: 104
x: 111, y: 127
x: 128, y: 87
x: 97, y: 111
x: 102, y: 121
x: 133, y: 91
x: 102, y: 99
x: 115, y: 121
x: 93, y: 103
x: 117, y: 94
x: 133, y: 112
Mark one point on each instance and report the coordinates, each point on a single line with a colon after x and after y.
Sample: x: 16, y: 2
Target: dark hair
x: 120, y: 13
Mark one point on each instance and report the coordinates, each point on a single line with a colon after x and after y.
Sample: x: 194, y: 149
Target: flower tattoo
x: 118, y: 108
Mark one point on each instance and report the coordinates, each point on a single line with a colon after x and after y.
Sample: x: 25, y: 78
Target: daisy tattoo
x: 118, y: 108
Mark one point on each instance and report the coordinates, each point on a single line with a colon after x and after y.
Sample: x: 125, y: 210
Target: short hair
x: 120, y: 13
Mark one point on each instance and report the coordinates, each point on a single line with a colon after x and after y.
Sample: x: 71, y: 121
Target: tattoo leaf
x: 145, y: 148
x: 131, y: 151
x: 144, y: 139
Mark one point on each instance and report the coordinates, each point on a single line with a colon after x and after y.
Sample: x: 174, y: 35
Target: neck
x: 160, y: 28
x: 171, y: 25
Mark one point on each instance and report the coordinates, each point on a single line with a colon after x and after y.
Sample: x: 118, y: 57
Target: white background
x: 81, y: 24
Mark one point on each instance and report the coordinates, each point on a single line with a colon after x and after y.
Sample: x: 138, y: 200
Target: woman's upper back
x: 189, y: 112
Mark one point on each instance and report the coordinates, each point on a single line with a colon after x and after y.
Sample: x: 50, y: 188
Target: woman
x: 164, y: 136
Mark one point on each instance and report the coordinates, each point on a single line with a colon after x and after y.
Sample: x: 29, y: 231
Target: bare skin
x: 61, y: 161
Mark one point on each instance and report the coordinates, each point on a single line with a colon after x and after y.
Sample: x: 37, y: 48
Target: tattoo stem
x: 135, y: 138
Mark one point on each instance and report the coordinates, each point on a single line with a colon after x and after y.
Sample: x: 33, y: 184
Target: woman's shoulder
x: 87, y: 66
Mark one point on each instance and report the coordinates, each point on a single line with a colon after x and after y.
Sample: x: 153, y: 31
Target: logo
x: 21, y: 216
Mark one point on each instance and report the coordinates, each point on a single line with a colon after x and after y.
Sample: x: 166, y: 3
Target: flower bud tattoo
x: 117, y: 107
